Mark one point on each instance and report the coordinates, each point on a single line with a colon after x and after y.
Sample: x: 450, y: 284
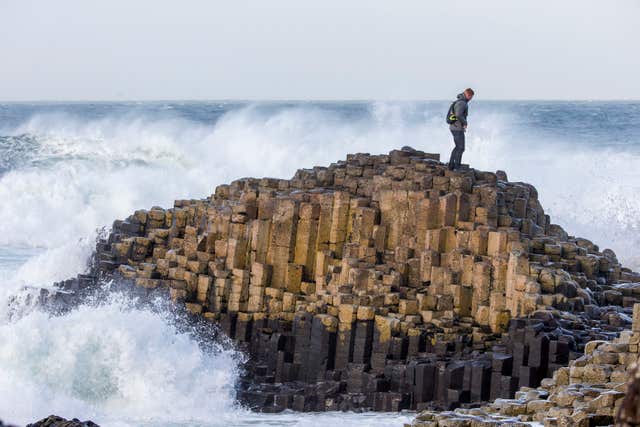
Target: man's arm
x: 458, y: 109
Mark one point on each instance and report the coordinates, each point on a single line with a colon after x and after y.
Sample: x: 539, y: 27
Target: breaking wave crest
x: 112, y: 362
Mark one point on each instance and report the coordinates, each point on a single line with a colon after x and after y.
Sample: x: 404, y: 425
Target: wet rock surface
x: 383, y: 282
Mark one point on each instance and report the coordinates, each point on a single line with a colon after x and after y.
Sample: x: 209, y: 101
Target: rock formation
x: 56, y: 421
x: 381, y: 282
x: 589, y: 392
x: 628, y: 414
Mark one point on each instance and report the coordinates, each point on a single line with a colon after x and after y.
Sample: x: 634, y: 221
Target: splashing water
x: 109, y: 359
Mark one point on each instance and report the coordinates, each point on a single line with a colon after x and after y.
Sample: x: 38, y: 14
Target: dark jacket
x: 461, y: 110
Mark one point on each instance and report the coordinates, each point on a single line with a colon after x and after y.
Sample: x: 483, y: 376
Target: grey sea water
x: 69, y: 169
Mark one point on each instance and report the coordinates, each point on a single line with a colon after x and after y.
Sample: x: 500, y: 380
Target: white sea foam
x: 110, y: 363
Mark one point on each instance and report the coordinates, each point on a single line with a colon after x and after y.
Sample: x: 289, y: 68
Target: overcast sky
x: 328, y: 49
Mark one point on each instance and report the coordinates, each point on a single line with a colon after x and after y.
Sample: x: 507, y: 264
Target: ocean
x: 67, y: 170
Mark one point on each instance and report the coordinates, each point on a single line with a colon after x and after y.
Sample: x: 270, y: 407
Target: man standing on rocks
x: 457, y: 120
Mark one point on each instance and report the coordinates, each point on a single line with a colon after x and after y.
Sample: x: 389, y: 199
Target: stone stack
x: 382, y: 282
x: 588, y: 392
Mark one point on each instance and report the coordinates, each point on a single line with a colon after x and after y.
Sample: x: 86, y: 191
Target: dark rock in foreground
x: 629, y: 412
x: 55, y: 421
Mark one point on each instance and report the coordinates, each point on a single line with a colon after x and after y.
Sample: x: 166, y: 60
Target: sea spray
x: 113, y: 359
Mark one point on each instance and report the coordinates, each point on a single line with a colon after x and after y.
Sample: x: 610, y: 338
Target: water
x: 68, y: 169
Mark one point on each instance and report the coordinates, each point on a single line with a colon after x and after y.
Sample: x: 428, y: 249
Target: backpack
x: 451, y: 115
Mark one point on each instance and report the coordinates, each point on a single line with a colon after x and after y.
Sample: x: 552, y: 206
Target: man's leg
x: 460, y: 147
x: 454, y: 152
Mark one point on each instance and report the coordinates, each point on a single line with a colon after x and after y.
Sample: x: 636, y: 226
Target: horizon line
x: 115, y: 100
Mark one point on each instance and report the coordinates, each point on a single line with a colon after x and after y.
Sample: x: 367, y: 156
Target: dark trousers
x: 456, y: 154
